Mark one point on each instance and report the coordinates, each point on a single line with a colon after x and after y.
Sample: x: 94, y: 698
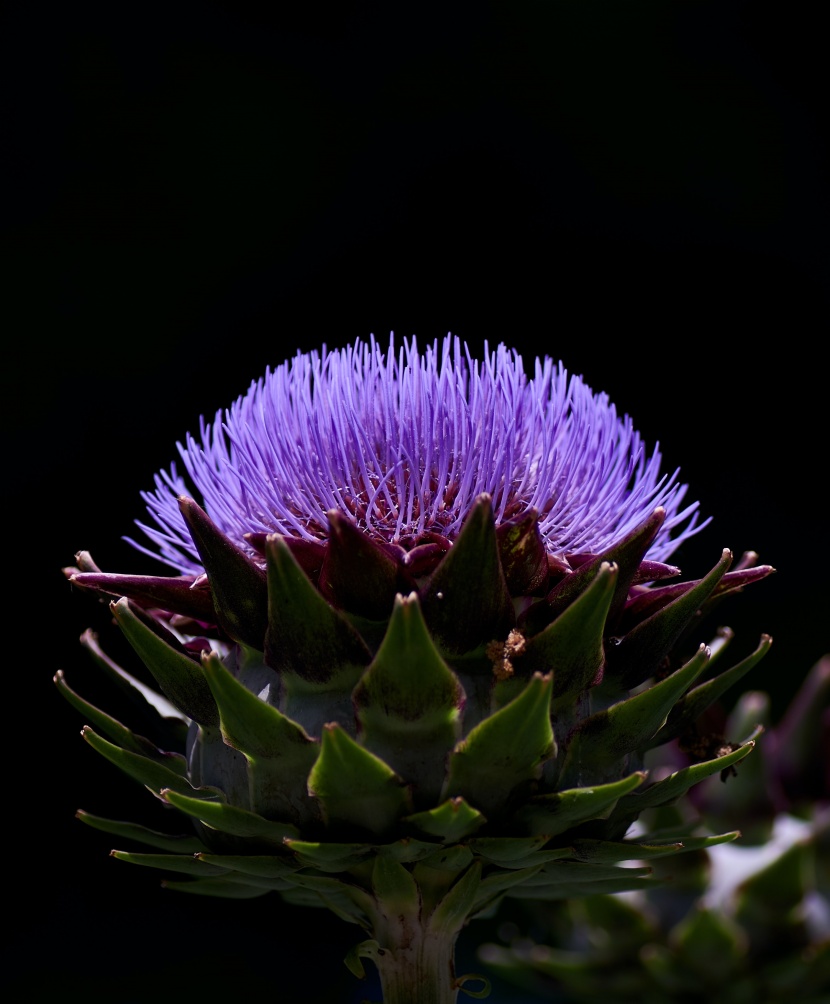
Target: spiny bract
x: 422, y: 634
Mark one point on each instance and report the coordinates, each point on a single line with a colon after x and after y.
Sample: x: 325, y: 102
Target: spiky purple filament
x: 404, y: 442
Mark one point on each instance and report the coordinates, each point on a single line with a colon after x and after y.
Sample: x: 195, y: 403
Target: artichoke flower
x: 420, y: 635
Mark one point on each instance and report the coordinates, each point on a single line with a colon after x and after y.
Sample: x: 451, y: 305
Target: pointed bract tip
x: 83, y: 560
x: 338, y: 521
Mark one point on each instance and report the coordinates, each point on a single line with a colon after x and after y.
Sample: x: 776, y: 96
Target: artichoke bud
x: 424, y: 681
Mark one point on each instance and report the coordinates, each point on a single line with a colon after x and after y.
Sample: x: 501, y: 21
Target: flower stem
x: 418, y: 970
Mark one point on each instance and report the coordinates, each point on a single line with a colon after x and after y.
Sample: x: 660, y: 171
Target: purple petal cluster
x: 404, y: 441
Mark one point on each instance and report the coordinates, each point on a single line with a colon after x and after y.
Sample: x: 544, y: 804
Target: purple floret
x: 404, y: 441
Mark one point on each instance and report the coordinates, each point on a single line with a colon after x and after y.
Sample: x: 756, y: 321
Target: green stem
x: 420, y: 969
x: 416, y: 917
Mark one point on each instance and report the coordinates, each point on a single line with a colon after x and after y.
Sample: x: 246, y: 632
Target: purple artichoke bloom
x: 418, y: 645
x: 403, y: 444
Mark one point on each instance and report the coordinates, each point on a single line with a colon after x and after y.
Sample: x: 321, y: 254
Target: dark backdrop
x: 197, y: 190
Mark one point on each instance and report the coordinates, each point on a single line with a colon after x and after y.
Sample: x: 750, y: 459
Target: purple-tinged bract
x: 403, y: 443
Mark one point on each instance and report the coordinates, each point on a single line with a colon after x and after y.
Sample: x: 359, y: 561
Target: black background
x: 197, y: 190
